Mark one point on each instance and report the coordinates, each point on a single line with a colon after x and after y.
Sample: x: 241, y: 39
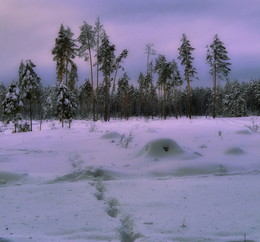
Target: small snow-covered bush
x: 53, y: 125
x: 23, y: 126
x: 126, y: 139
x: 93, y: 128
x: 254, y: 126
x: 2, y: 129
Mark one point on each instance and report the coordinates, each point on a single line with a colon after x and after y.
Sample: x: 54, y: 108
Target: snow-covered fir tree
x: 234, y: 102
x: 253, y: 97
x: 66, y: 104
x: 12, y: 105
x: 29, y: 82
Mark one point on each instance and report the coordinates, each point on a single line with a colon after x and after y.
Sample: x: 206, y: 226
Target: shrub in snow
x: 126, y: 139
x: 254, y: 126
x: 76, y: 161
x: 93, y: 128
x: 53, y: 125
x: 23, y: 126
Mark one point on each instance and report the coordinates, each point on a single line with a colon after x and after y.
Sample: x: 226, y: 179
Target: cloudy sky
x: 28, y: 29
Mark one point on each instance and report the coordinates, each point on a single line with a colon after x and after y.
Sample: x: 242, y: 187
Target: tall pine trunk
x: 188, y: 99
x: 214, y: 93
x: 92, y: 84
x: 114, y: 82
x: 164, y: 100
x: 106, y: 111
x: 176, y: 101
x: 30, y: 113
x: 97, y: 76
x: 66, y: 72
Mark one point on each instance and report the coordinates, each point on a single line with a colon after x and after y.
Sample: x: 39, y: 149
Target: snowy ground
x: 137, y: 180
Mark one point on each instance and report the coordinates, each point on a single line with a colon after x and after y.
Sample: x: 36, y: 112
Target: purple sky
x: 29, y: 28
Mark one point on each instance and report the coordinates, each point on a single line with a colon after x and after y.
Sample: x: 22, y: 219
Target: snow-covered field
x: 137, y: 180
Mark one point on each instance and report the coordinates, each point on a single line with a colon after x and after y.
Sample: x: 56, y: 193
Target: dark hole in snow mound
x: 162, y: 148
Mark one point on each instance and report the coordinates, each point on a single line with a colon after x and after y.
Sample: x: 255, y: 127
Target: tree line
x: 162, y: 91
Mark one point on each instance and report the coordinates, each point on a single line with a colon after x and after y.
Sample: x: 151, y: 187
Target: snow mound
x: 201, y: 169
x: 111, y: 135
x: 244, y: 131
x: 235, y: 151
x: 162, y: 147
x: 86, y: 174
x: 10, y: 178
x: 166, y: 147
x: 4, y: 240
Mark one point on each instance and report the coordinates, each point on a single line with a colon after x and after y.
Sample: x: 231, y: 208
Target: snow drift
x: 166, y: 148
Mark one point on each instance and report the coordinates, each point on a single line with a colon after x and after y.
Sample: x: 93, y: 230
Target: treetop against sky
x: 29, y: 28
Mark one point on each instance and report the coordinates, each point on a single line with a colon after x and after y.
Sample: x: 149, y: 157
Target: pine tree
x: 124, y: 95
x: 73, y: 77
x: 21, y: 70
x: 146, y: 95
x: 149, y: 51
x: 176, y: 82
x: 106, y: 57
x: 87, y: 43
x: 64, y: 52
x: 85, y: 97
x: 117, y: 66
x: 218, y: 59
x: 185, y: 55
x: 164, y: 70
x: 29, y: 83
x: 99, y: 35
x: 66, y: 104
x: 12, y: 105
